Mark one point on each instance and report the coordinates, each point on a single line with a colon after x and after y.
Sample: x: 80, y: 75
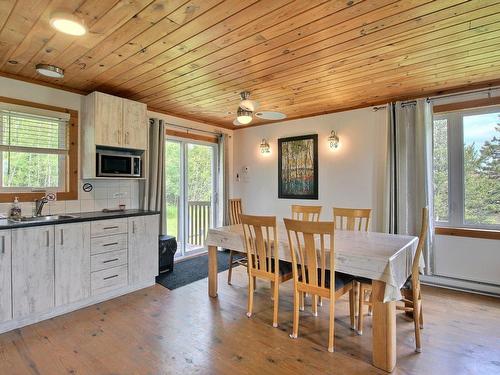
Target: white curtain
x: 224, y: 177
x: 154, y: 187
x: 409, y: 171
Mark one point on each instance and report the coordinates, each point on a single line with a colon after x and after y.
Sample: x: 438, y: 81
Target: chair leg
x: 360, y: 309
x: 352, y: 302
x: 370, y: 306
x: 251, y: 281
x: 302, y: 297
x: 421, y: 311
x: 276, y: 303
x: 272, y: 290
x: 254, y: 283
x: 230, y: 273
x: 331, y: 328
x: 296, y: 305
x: 320, y: 301
x: 416, y: 320
x: 315, y: 305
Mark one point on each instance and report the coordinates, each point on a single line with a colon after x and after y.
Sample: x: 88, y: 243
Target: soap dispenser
x: 15, y: 211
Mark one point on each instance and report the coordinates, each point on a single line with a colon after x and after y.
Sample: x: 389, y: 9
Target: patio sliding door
x: 190, y: 188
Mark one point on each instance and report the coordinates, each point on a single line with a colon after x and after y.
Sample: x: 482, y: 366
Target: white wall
x: 351, y: 176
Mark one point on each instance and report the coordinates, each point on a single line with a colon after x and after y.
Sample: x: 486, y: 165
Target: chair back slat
x: 261, y: 238
x: 311, y: 244
x: 415, y: 271
x: 355, y: 219
x: 306, y: 213
x: 235, y: 210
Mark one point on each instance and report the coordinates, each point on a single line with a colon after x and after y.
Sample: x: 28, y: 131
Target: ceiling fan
x: 247, y: 108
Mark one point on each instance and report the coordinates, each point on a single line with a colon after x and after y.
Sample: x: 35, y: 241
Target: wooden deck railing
x: 198, y: 222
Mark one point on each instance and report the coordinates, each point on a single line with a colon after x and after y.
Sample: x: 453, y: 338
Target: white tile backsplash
x: 105, y: 194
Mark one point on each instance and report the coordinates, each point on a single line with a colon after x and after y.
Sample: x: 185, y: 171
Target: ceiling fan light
x: 248, y: 105
x: 51, y: 71
x: 68, y: 23
x: 244, y: 116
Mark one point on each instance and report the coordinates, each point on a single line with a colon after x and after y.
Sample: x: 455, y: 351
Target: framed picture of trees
x: 298, y: 167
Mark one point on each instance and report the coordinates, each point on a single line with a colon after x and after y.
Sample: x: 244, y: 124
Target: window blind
x: 24, y: 132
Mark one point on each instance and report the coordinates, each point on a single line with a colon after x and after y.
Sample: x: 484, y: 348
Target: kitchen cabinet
x: 107, y: 120
x: 5, y: 276
x: 135, y: 127
x: 111, y: 121
x: 32, y: 270
x: 72, y: 262
x: 143, y: 248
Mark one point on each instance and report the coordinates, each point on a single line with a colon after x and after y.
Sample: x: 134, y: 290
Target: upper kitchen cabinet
x: 110, y: 121
x: 135, y: 134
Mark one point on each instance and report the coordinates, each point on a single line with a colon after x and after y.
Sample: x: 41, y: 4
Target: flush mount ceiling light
x: 68, y: 23
x: 51, y: 71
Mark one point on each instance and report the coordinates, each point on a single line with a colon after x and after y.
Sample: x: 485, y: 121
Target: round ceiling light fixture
x: 244, y: 116
x: 51, y: 71
x: 68, y: 23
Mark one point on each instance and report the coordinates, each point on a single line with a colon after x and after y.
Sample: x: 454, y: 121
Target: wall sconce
x: 333, y: 140
x: 264, y: 147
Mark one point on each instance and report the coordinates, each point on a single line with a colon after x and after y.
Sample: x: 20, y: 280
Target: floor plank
x: 157, y: 331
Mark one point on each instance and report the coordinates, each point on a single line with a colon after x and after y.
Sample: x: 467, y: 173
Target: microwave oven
x: 118, y: 165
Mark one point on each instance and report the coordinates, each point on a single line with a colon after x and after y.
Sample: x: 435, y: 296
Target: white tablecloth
x: 377, y: 256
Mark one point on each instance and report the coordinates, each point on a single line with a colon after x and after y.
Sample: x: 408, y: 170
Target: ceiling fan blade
x: 270, y: 115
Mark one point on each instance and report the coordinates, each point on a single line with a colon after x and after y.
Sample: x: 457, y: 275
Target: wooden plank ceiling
x: 192, y: 58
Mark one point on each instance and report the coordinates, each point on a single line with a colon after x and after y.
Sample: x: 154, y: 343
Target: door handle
x: 48, y: 238
x: 133, y: 227
x: 62, y: 237
x: 3, y: 244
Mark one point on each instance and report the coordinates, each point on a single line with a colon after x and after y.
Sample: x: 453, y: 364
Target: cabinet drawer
x: 109, y: 243
x: 108, y: 260
x: 107, y: 227
x: 112, y: 278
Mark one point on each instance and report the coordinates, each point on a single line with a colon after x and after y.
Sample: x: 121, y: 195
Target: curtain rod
x: 187, y: 128
x: 488, y: 90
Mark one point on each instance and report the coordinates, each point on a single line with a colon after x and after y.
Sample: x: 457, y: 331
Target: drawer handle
x: 115, y: 227
x: 110, y: 277
x: 111, y: 260
x: 110, y: 244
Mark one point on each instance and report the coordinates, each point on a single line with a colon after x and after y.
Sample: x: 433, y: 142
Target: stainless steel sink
x: 45, y: 218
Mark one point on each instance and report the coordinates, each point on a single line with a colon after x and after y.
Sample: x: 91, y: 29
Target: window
x: 466, y: 168
x: 38, y: 151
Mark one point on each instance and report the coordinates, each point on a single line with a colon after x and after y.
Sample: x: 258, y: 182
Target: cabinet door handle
x: 106, y: 228
x: 62, y: 237
x: 110, y: 260
x: 3, y: 244
x: 110, y: 244
x: 118, y: 136
x: 133, y: 227
x: 48, y: 238
x: 110, y: 277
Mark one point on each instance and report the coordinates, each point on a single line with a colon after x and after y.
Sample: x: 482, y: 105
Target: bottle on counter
x: 15, y: 210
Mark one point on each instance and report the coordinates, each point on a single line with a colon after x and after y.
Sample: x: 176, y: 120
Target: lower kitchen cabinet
x: 32, y: 270
x: 5, y: 276
x: 143, y: 248
x: 72, y: 262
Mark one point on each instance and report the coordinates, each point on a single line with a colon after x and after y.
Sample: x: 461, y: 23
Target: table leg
x: 384, y: 329
x: 212, y: 271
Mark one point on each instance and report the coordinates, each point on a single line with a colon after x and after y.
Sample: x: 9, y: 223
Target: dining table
x: 384, y: 258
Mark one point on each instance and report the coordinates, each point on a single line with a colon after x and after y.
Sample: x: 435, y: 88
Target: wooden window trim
x: 489, y: 234
x: 470, y: 104
x: 196, y: 137
x: 72, y: 171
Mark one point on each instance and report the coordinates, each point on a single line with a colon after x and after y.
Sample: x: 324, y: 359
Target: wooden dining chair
x: 308, y: 243
x: 306, y: 213
x: 354, y: 219
x: 261, y: 243
x: 412, y: 286
x: 235, y: 210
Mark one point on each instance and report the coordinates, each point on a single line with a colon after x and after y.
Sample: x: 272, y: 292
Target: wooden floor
x: 156, y: 331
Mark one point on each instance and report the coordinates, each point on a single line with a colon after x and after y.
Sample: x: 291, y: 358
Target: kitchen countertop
x: 78, y: 217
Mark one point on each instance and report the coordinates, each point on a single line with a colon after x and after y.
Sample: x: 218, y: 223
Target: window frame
x: 454, y: 114
x: 71, y: 168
